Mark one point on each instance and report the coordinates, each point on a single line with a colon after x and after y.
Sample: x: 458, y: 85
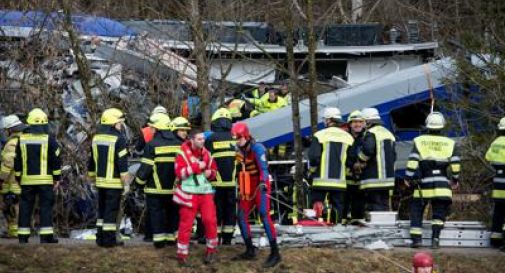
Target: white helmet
x: 370, y: 114
x: 435, y: 120
x: 11, y: 121
x: 501, y: 125
x: 159, y: 109
x: 332, y: 112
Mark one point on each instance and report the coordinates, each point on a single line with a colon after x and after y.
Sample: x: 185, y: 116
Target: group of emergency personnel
x: 184, y: 173
x: 223, y: 174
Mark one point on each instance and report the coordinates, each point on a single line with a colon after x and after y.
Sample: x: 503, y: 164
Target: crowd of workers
x: 223, y: 174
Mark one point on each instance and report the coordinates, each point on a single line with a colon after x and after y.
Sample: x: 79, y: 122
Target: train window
x: 412, y: 116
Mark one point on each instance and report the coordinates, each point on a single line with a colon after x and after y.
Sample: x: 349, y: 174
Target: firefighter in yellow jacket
x: 433, y: 171
x: 496, y: 157
x: 37, y: 166
x: 108, y: 167
x: 327, y: 157
x: 220, y: 143
x: 376, y: 162
x: 10, y: 188
x: 157, y: 176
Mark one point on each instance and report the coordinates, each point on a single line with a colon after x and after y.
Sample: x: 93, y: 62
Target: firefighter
x: 271, y: 101
x: 354, y: 196
x: 430, y: 159
x: 195, y: 168
x: 147, y: 133
x: 10, y: 188
x: 422, y: 262
x: 37, y: 166
x: 251, y: 159
x: 157, y: 175
x: 221, y: 145
x: 496, y: 157
x: 181, y: 127
x: 376, y: 162
x: 327, y: 159
x: 108, y: 169
x: 256, y: 94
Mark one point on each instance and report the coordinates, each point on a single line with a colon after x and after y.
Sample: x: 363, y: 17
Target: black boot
x: 23, y: 239
x: 48, y: 239
x: 417, y: 242
x: 275, y: 257
x: 435, y: 238
x: 250, y: 252
x: 159, y: 245
x: 99, y: 236
x: 226, y: 238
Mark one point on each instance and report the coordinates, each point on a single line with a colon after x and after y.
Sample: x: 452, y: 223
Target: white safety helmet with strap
x: 501, y: 124
x: 332, y: 113
x: 11, y: 121
x: 159, y: 110
x: 370, y: 114
x: 435, y: 121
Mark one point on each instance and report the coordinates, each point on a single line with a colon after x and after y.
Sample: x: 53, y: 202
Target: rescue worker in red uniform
x: 222, y: 148
x: 195, y: 168
x: 251, y: 159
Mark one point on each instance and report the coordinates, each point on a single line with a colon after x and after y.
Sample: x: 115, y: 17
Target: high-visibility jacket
x: 327, y: 158
x: 266, y: 105
x: 221, y: 146
x: 235, y: 108
x: 435, y: 160
x: 37, y: 159
x: 7, y: 173
x: 495, y: 155
x: 157, y: 169
x: 109, y: 158
x: 351, y: 177
x: 378, y: 153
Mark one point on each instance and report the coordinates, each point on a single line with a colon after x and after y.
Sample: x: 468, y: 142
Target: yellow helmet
x: 36, y: 117
x: 160, y: 121
x: 355, y: 115
x: 112, y: 116
x: 221, y: 113
x: 180, y: 123
x: 154, y: 118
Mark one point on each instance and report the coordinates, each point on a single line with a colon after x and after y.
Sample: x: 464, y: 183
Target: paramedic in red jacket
x: 195, y: 168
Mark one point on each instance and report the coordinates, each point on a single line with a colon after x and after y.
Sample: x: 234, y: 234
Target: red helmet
x: 239, y: 130
x: 422, y: 259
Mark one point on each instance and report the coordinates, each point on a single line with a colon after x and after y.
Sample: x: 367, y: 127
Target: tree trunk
x: 312, y: 92
x: 295, y: 93
x: 202, y: 74
x: 82, y: 64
